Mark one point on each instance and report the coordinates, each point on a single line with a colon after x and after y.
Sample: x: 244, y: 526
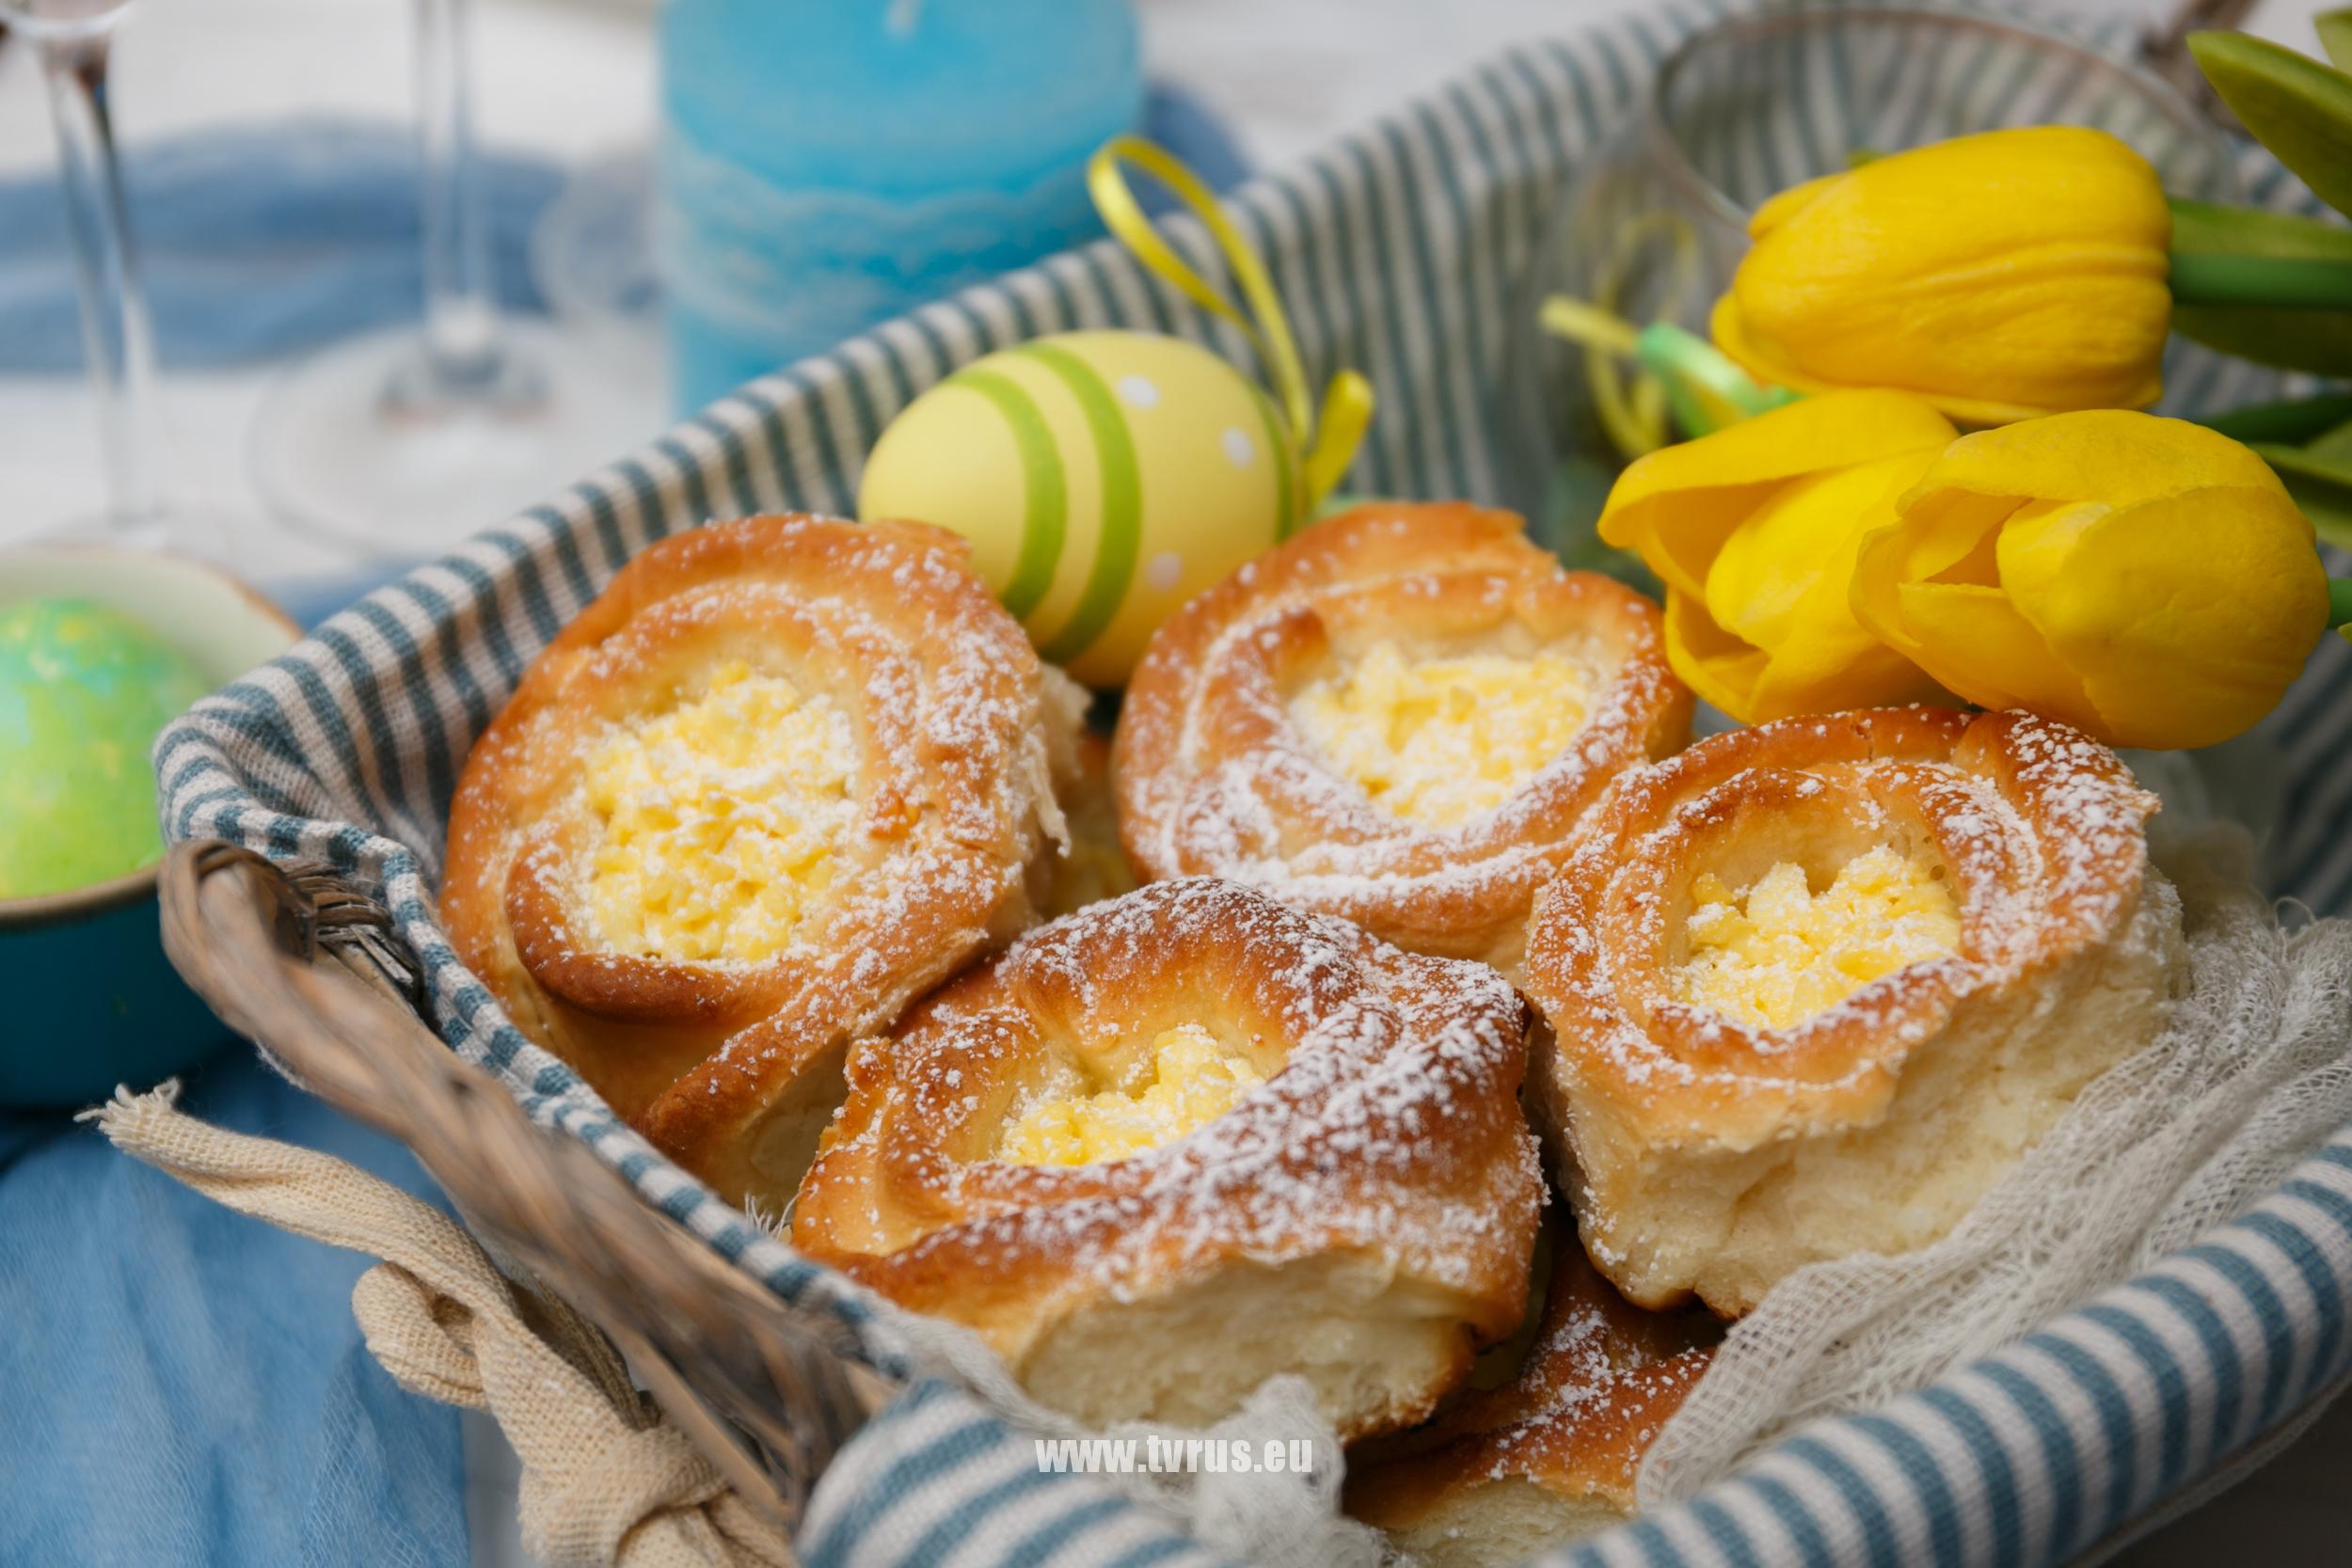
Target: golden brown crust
x: 1213, y: 778
x: 1600, y: 1380
x: 727, y: 1065
x: 2040, y: 831
x: 1388, y: 1132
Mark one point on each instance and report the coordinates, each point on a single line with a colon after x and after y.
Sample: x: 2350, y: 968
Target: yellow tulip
x: 2147, y: 580
x: 1999, y: 276
x: 1753, y: 531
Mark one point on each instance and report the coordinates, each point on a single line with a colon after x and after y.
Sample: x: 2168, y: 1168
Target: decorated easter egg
x: 84, y: 692
x: 1103, y: 478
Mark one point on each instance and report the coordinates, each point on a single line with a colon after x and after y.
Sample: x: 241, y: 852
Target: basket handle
x: 307, y: 968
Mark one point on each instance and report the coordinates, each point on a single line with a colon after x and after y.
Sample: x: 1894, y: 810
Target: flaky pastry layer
x: 1707, y: 1156
x: 1216, y: 776
x: 1551, y: 1453
x: 951, y: 726
x: 1361, y: 1218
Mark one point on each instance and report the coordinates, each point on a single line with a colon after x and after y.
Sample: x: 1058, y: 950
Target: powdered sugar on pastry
x: 783, y: 776
x: 1551, y: 1453
x: 1398, y: 718
x: 1380, y: 1169
x: 1816, y: 984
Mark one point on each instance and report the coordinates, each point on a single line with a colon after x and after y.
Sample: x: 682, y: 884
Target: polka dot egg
x: 1103, y: 478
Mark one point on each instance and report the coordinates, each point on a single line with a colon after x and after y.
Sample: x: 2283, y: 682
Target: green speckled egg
x: 84, y: 692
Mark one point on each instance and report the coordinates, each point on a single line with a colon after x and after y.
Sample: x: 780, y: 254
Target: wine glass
x: 74, y: 40
x: 402, y: 442
x: 1655, y: 223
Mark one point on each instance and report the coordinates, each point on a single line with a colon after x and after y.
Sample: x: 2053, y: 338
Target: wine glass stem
x: 461, y: 330
x: 116, y: 337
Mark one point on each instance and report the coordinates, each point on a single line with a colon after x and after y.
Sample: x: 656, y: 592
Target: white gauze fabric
x: 2253, y: 1071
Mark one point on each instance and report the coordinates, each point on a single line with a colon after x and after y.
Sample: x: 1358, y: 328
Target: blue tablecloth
x: 179, y: 1385
x: 258, y: 241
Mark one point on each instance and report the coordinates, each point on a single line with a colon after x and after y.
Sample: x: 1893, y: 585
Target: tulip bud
x: 1753, y: 531
x: 1999, y: 276
x: 2147, y: 580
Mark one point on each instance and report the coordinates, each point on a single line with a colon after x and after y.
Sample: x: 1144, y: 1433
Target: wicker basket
x: 307, y: 802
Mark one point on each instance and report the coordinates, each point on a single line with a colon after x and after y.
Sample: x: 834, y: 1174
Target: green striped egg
x: 1103, y: 478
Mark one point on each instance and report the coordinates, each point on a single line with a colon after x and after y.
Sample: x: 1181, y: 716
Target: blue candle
x: 829, y: 164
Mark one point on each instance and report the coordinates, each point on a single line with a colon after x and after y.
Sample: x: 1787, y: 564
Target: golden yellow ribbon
x: 1634, y: 419
x: 1326, y: 441
x: 1677, y: 377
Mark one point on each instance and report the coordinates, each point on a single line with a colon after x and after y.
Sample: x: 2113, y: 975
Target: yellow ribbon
x: 1635, y: 423
x: 1326, y: 441
x: 1634, y: 419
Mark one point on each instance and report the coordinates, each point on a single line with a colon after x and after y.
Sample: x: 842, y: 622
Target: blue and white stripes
x: 2055, y: 1446
x: 938, y: 1478
x: 1398, y: 253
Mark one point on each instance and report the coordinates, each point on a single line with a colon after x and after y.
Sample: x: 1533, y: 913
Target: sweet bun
x: 784, y: 775
x: 1185, y: 1140
x: 1550, y: 1455
x: 1813, y: 987
x: 1398, y: 718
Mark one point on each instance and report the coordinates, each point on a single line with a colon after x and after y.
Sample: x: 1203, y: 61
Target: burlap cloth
x: 606, y: 1479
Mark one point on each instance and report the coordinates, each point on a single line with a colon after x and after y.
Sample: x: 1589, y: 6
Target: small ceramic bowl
x: 89, y: 999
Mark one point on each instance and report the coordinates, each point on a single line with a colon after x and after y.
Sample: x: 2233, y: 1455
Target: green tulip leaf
x: 2210, y: 228
x: 2335, y: 35
x: 2299, y: 109
x: 2318, y: 341
x: 2293, y: 338
x: 2289, y: 424
x: 2268, y: 282
x: 2322, y: 487
x: 2292, y: 422
x: 2333, y: 447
